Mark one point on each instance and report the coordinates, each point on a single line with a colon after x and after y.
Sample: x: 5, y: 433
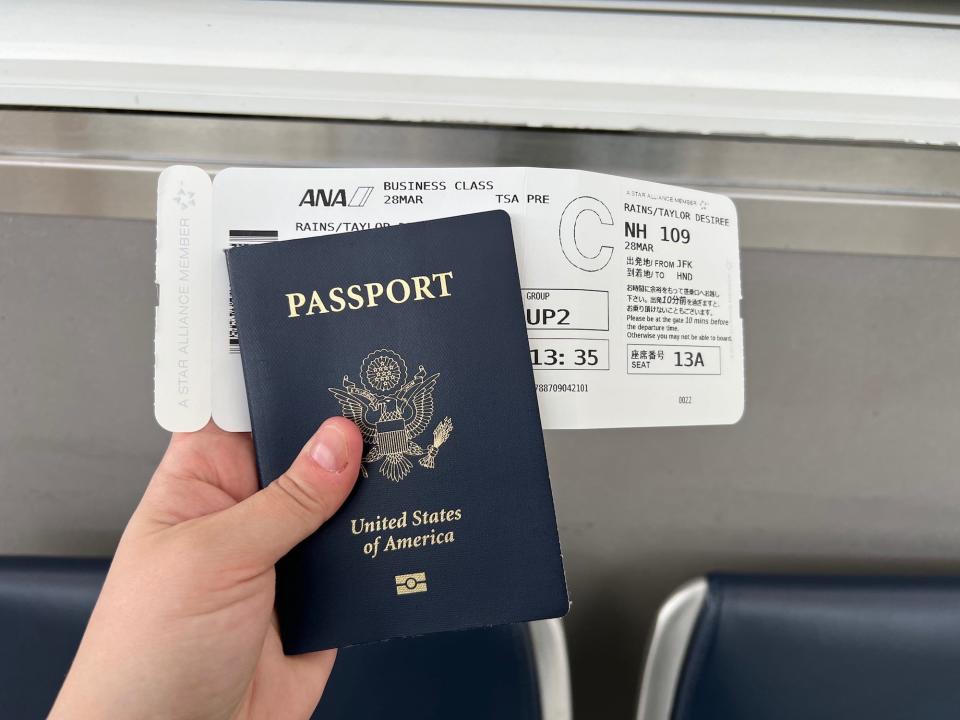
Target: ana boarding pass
x: 631, y: 289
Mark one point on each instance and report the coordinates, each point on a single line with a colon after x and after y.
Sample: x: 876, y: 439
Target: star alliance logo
x: 184, y: 198
x: 391, y: 411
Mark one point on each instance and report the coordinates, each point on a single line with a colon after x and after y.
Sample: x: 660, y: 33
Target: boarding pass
x: 631, y: 289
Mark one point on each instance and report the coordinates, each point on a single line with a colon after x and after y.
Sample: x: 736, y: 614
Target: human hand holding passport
x: 416, y: 334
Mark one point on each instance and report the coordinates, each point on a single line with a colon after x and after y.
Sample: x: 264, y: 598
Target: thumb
x: 269, y: 523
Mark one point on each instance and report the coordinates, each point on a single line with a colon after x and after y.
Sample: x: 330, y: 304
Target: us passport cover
x: 416, y: 333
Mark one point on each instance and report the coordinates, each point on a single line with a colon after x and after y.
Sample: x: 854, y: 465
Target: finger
x: 208, y: 440
x: 310, y: 673
x: 270, y: 522
x: 210, y: 430
x: 293, y: 682
x: 201, y: 473
x: 214, y: 456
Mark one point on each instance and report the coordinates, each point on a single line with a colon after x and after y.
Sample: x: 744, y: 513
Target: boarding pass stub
x: 631, y: 289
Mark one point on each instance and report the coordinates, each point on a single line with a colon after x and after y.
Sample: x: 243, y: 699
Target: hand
x: 184, y: 626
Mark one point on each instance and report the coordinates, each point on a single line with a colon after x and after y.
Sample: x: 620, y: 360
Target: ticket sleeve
x: 631, y: 289
x: 182, y: 388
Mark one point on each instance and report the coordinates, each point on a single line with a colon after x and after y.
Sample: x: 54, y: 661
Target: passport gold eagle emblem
x: 391, y: 412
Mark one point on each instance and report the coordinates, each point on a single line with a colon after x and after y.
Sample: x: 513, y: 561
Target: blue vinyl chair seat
x: 823, y: 648
x: 474, y: 674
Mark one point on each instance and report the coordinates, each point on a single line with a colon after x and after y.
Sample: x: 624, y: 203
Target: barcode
x: 237, y: 239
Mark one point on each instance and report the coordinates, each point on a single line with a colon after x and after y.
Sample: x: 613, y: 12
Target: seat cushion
x: 474, y: 674
x: 468, y: 675
x: 823, y: 648
x: 44, y: 606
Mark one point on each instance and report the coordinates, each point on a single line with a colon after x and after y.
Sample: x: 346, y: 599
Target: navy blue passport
x: 415, y: 333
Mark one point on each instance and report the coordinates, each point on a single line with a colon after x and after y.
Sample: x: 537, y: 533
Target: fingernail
x: 329, y: 449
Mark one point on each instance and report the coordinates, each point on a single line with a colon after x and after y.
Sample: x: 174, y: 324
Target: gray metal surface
x: 894, y: 200
x: 669, y: 640
x: 886, y: 11
x: 846, y: 459
x: 549, y: 642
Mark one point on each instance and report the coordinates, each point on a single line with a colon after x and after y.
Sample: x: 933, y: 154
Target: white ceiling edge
x: 568, y: 68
